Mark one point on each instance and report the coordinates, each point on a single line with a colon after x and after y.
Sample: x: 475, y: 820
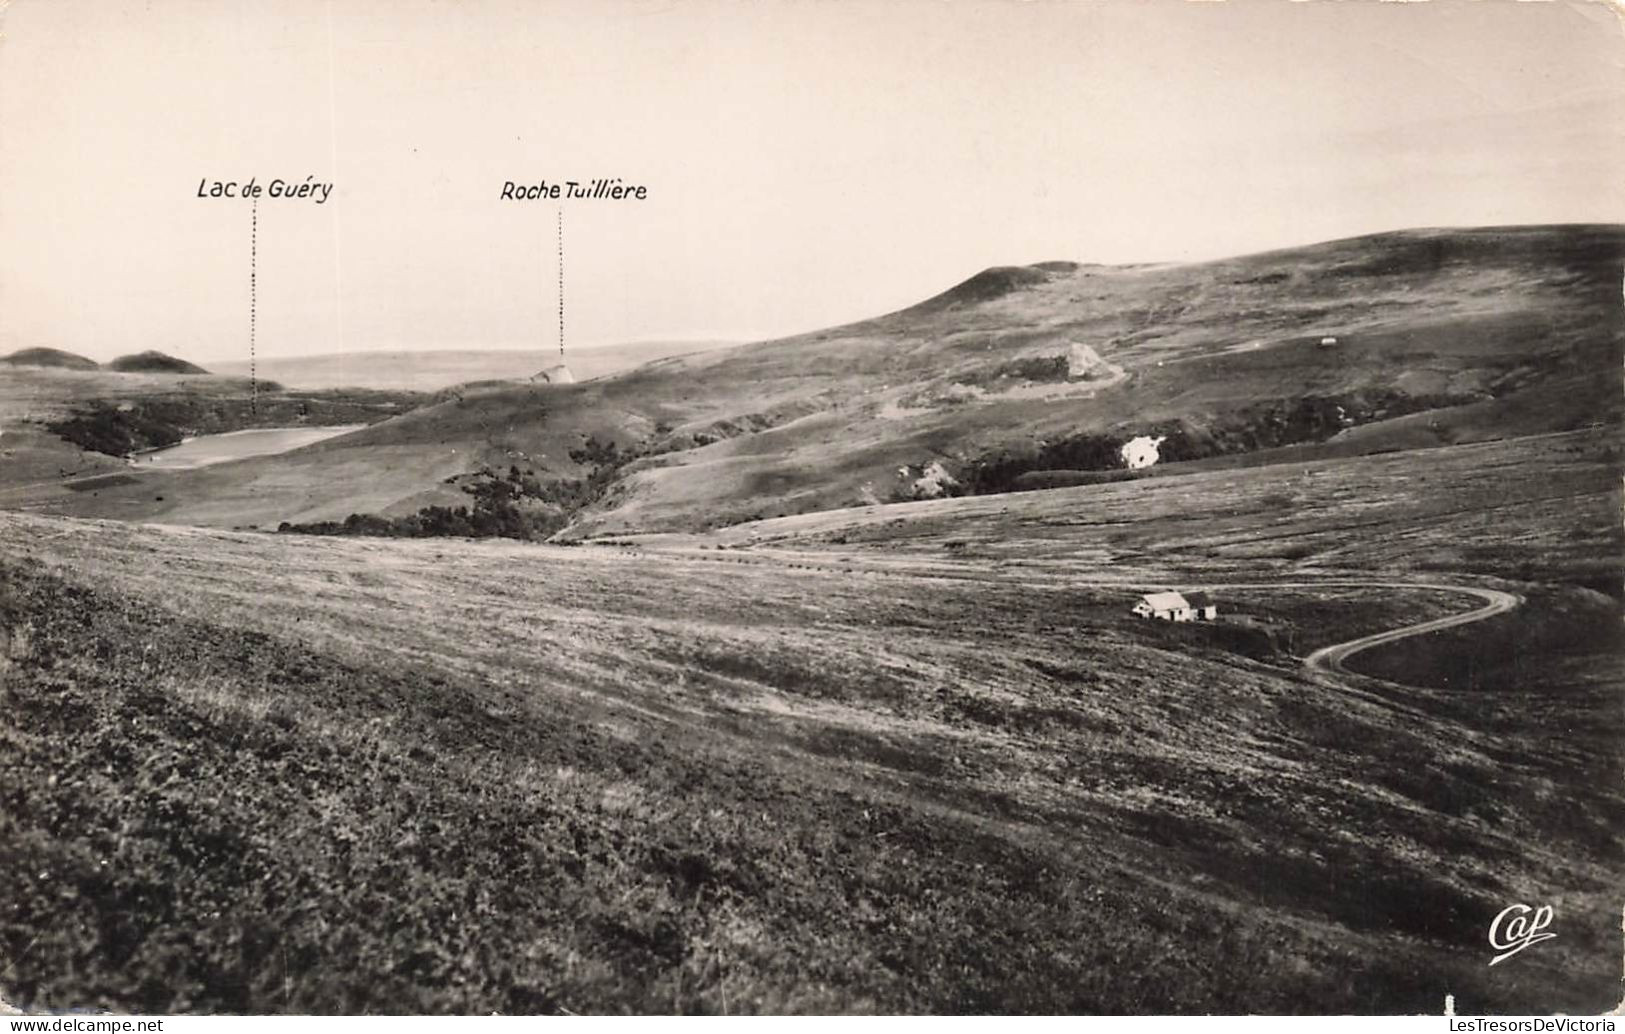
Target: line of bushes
x: 440, y: 522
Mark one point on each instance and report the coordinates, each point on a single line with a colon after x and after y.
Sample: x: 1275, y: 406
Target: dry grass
x: 1539, y: 508
x: 795, y: 777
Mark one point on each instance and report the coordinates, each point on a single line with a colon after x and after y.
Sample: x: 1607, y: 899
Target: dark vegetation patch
x: 1263, y: 425
x: 122, y: 428
x: 517, y: 505
x: 116, y: 431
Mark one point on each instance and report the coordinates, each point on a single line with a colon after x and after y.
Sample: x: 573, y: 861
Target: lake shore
x: 206, y: 449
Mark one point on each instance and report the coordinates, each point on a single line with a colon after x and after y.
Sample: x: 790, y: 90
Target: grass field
x: 913, y: 758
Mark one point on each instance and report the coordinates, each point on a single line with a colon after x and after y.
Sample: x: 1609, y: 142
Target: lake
x: 206, y: 449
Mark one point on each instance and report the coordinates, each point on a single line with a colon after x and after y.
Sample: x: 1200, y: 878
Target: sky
x: 806, y: 164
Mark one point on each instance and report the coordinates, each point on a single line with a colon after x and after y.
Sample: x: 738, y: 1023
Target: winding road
x: 1331, y: 658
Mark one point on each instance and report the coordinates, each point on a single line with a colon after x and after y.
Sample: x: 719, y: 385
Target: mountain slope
x: 1444, y: 335
x: 904, y: 758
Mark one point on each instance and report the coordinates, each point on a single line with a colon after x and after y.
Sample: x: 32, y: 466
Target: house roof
x: 1199, y: 599
x: 1165, y: 600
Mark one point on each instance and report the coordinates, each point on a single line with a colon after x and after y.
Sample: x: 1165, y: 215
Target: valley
x: 204, y: 450
x: 824, y: 693
x: 1006, y: 381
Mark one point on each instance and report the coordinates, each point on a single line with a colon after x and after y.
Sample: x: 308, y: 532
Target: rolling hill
x: 1442, y: 336
x: 153, y: 362
x: 48, y: 357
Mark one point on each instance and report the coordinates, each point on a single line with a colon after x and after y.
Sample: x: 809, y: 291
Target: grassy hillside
x: 1537, y: 508
x: 914, y: 758
x: 1443, y: 336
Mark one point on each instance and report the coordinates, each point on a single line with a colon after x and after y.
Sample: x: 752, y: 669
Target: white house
x: 1141, y: 451
x: 1177, y: 606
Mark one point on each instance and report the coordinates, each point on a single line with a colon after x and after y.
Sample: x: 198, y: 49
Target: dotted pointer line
x: 561, y: 282
x: 253, y: 298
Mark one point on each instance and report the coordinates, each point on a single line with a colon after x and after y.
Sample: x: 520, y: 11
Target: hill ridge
x: 1441, y: 336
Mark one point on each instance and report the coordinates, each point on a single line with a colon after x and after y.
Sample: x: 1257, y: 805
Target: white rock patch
x: 1084, y: 363
x: 1141, y: 451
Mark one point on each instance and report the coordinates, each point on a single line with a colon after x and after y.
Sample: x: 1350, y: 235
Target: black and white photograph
x: 893, y: 508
